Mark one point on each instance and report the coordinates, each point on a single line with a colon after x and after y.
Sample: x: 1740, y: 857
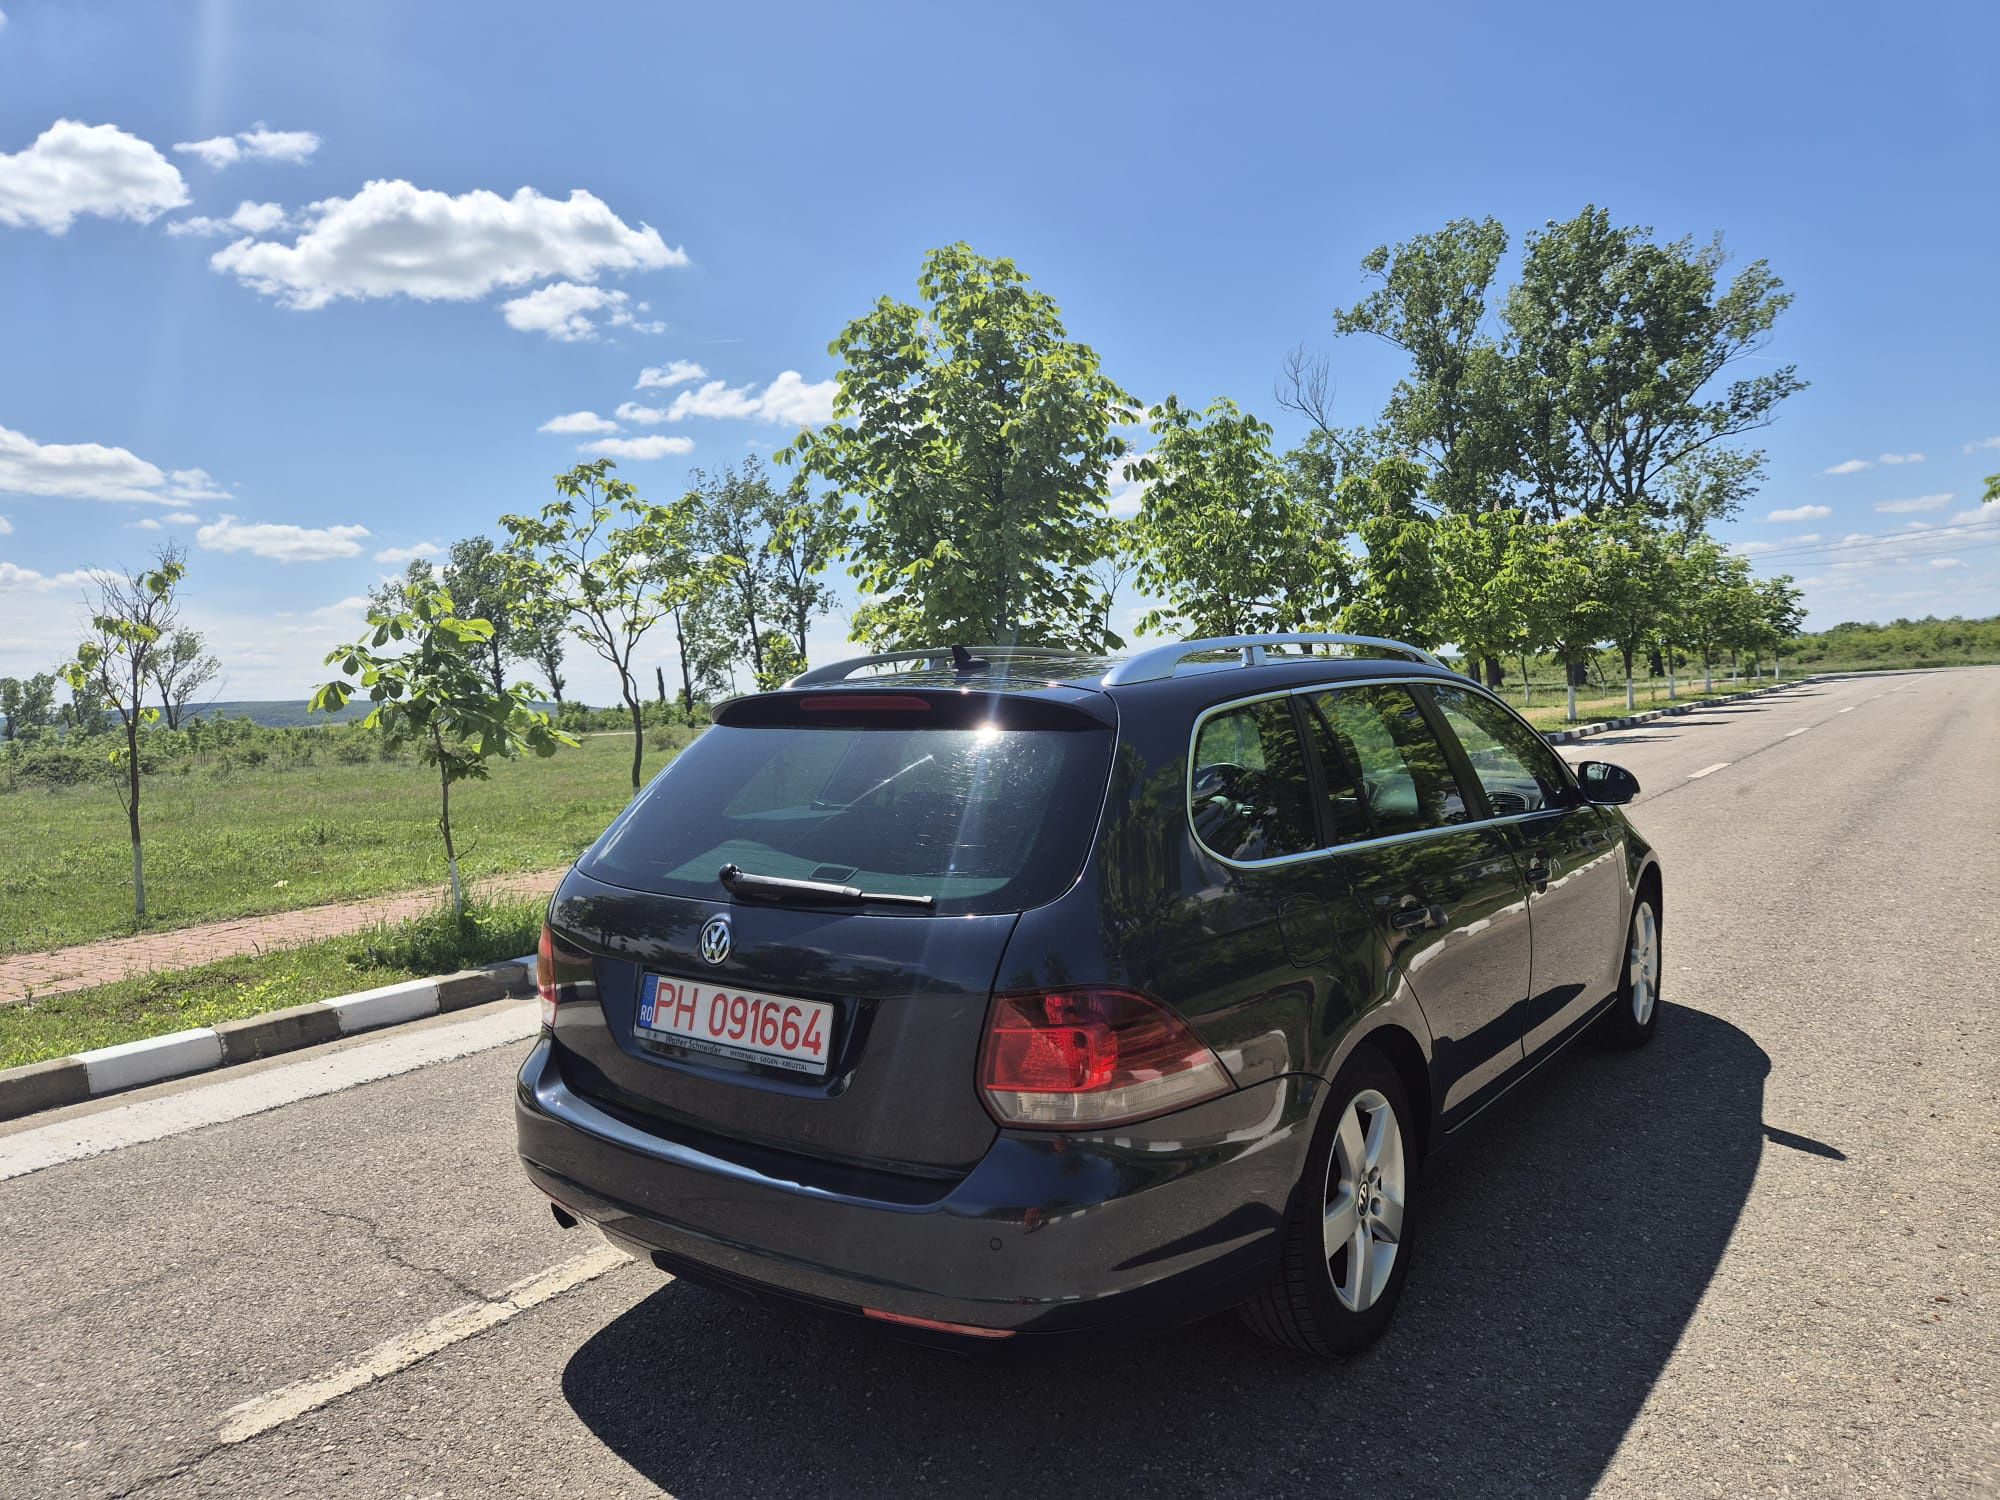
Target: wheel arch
x: 1406, y: 1055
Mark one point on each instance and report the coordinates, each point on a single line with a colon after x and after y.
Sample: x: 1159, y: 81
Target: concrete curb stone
x: 105, y: 1070
x: 1606, y: 726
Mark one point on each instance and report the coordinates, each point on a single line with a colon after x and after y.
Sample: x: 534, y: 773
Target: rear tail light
x: 1076, y: 1059
x: 559, y: 973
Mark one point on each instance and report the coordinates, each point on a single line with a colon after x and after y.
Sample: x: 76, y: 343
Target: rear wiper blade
x: 826, y: 892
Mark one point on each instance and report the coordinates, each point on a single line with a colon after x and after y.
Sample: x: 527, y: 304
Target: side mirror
x: 1605, y: 783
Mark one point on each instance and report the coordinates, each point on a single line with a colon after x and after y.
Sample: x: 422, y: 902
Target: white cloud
x: 79, y: 471
x: 1980, y: 443
x: 1899, y: 458
x: 1127, y: 493
x: 282, y: 543
x: 395, y: 239
x: 6, y: 527
x: 1948, y: 562
x: 409, y: 554
x: 562, y: 310
x: 579, y: 421
x: 145, y: 523
x: 1751, y: 549
x: 193, y: 485
x: 181, y: 518
x: 789, y: 398
x: 249, y: 218
x: 664, y: 377
x: 645, y: 416
x: 23, y: 579
x: 252, y: 145
x: 1913, y: 505
x: 74, y: 169
x: 1800, y: 513
x: 639, y: 447
x: 1980, y: 515
x: 1850, y: 466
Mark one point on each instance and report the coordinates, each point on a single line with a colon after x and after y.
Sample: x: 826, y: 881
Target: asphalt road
x: 1759, y: 1257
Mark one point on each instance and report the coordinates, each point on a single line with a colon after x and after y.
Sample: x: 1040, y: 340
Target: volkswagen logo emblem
x: 715, y: 940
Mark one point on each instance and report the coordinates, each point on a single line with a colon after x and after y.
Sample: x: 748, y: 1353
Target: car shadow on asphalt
x: 1563, y: 1251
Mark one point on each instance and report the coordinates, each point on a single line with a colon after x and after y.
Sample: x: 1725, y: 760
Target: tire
x: 1316, y: 1302
x: 1635, y: 1014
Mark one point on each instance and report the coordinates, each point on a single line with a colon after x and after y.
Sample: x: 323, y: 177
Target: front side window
x: 1407, y: 784
x: 1517, y: 771
x: 1248, y: 796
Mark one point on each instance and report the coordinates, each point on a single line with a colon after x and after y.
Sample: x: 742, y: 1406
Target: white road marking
x: 1849, y: 709
x: 1707, y: 770
x: 275, y: 1408
x: 232, y: 1098
x: 1790, y: 732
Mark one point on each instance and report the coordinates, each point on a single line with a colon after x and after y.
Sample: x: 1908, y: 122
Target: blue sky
x: 301, y: 397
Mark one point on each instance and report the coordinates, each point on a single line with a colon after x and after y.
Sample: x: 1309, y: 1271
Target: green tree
x: 705, y: 646
x: 28, y: 703
x: 480, y: 577
x: 431, y: 690
x: 977, y: 435
x: 132, y: 618
x: 182, y: 669
x: 540, y: 627
x: 1479, y: 605
x: 1555, y: 571
x: 1992, y: 496
x: 1450, y: 409
x: 806, y: 535
x: 781, y: 661
x: 614, y: 581
x: 1221, y: 538
x: 1397, y: 590
x: 1619, y: 348
x: 1634, y: 587
x: 732, y: 518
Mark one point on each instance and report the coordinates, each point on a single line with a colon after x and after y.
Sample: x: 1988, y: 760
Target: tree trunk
x: 638, y: 732
x: 1494, y: 675
x: 660, y: 682
x: 1631, y: 701
x: 499, y: 668
x: 1527, y: 687
x: 444, y: 825
x: 1571, y: 687
x: 132, y: 813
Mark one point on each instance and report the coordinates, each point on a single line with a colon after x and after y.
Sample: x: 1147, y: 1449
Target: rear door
x: 1570, y: 858
x: 985, y: 804
x: 1443, y: 888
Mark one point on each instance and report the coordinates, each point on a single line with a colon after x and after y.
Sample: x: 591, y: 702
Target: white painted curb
x: 130, y: 1064
x: 411, y: 1000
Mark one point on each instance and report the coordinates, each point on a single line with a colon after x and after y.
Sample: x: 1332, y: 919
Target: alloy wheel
x: 1364, y: 1201
x: 1642, y: 967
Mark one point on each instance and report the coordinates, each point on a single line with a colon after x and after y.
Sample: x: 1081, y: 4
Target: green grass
x: 1550, y: 709
x: 249, y: 841
x: 154, y: 1004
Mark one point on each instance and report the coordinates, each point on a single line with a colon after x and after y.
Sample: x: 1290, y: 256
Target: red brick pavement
x: 59, y: 969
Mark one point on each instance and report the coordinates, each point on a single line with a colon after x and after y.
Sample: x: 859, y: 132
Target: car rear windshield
x: 979, y: 819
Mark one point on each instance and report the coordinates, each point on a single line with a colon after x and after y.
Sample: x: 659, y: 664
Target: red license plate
x: 775, y: 1029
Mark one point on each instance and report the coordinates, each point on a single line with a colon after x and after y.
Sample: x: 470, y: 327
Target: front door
x: 1444, y: 890
x: 1570, y: 854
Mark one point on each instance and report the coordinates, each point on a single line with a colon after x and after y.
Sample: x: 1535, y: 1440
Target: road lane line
x: 233, y: 1098
x: 289, y: 1402
x: 1790, y: 732
x: 1707, y: 770
x: 1849, y: 709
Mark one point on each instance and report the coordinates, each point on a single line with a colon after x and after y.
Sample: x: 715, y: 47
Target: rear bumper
x: 1160, y: 1222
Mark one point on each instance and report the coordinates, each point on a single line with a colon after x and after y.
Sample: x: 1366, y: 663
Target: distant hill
x: 279, y: 714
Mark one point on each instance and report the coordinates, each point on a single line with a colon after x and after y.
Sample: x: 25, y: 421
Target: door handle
x: 1414, y: 916
x: 1541, y: 872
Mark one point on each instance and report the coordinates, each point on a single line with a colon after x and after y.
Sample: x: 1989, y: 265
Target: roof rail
x: 1161, y: 661
x: 940, y: 658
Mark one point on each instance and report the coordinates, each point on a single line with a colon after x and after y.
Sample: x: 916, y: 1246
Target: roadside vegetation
x: 260, y: 820
x: 154, y: 1004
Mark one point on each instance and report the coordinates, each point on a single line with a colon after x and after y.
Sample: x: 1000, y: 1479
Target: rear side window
x: 1516, y: 769
x: 980, y: 819
x: 1407, y: 784
x: 1247, y: 792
